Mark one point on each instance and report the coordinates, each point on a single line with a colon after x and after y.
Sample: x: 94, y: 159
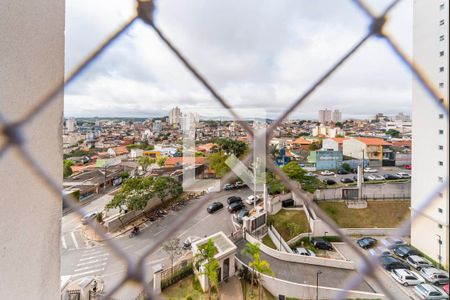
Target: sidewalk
x: 91, y: 235
x: 231, y: 290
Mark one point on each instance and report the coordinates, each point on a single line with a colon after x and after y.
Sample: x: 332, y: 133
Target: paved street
x: 80, y: 258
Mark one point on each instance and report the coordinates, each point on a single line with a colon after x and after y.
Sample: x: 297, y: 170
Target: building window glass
x: 440, y: 226
x: 441, y: 147
x: 442, y: 100
x: 441, y: 69
x: 441, y: 116
x: 441, y: 38
x: 441, y: 84
x: 441, y: 53
x: 440, y: 210
x: 441, y: 195
x: 441, y: 131
x: 441, y: 22
x: 441, y: 163
x: 440, y: 179
x: 442, y: 6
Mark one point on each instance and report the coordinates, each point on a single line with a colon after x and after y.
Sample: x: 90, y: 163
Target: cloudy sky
x: 257, y: 53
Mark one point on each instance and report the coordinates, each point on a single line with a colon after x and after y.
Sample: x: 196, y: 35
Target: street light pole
x: 440, y: 244
x: 317, y: 284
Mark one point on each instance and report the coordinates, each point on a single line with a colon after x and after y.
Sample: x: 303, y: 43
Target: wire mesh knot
x: 12, y: 133
x: 376, y: 27
x: 145, y: 10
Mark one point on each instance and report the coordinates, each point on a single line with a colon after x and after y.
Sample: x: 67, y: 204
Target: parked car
x: 375, y: 177
x: 445, y: 288
x: 406, y: 277
x: 391, y: 176
x: 239, y: 185
x: 392, y: 242
x: 241, y: 214
x: 408, y: 167
x: 370, y: 170
x: 304, y: 251
x: 342, y: 172
x: 429, y: 292
x: 379, y: 251
x: 252, y: 198
x: 321, y: 244
x: 434, y: 275
x: 403, y: 251
x: 366, y: 242
x: 346, y: 180
x: 235, y: 206
x: 228, y: 187
x: 88, y: 217
x: 404, y: 175
x: 310, y: 174
x: 233, y: 199
x: 418, y: 262
x: 329, y: 181
x: 213, y: 207
x: 390, y: 263
x: 327, y: 173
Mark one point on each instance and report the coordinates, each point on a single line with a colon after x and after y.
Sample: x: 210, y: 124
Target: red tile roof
x: 339, y: 140
x: 373, y: 141
x: 301, y: 141
x: 172, y: 161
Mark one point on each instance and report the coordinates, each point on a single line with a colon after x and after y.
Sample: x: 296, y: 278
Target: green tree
x: 67, y: 168
x: 124, y: 175
x: 294, y: 171
x: 216, y: 162
x: 173, y: 248
x: 346, y: 167
x: 393, y: 133
x: 161, y: 161
x: 293, y: 229
x: 251, y: 250
x: 315, y: 146
x: 207, y: 265
x: 134, y: 195
x: 132, y: 146
x: 257, y: 265
x: 145, y: 162
x: 166, y: 187
x: 229, y: 146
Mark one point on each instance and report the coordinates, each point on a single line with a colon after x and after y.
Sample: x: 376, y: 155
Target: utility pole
x: 317, y: 284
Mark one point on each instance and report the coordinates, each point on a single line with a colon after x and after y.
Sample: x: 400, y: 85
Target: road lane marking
x: 92, y: 253
x: 201, y: 220
x: 92, y: 262
x: 63, y: 241
x: 72, y: 234
x: 88, y: 272
x: 88, y: 258
x: 89, y: 267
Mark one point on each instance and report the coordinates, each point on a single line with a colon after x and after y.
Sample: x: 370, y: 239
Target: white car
x: 380, y: 251
x: 418, y: 262
x: 369, y: 170
x: 326, y: 173
x: 375, y: 177
x: 391, y: 242
x: 428, y: 291
x: 406, y: 277
x: 310, y: 174
x: 304, y: 251
x: 404, y: 175
x: 252, y: 199
x: 434, y: 275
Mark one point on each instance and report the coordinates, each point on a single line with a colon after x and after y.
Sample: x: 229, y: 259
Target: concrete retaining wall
x: 278, y: 241
x: 295, y: 258
x: 286, y: 288
x: 400, y: 190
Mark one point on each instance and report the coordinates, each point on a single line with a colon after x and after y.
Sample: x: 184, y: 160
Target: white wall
x: 31, y: 61
x: 354, y: 148
x: 426, y: 125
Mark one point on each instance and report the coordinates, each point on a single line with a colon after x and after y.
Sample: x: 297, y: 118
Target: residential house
x: 375, y: 149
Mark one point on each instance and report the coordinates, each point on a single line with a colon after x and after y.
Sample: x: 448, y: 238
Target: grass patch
x: 184, y: 289
x: 381, y: 214
x: 268, y: 242
x: 290, y: 223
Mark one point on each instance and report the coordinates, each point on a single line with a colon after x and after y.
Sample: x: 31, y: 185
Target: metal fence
x: 12, y: 133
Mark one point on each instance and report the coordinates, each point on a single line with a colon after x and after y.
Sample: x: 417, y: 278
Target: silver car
x: 418, y: 262
x: 429, y: 292
x: 434, y: 275
x: 406, y: 277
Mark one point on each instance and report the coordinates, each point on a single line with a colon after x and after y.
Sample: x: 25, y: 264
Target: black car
x: 390, y: 263
x: 233, y: 199
x: 213, y: 207
x: 235, y: 206
x: 404, y: 251
x: 229, y: 187
x: 342, y: 172
x: 321, y: 244
x: 329, y: 181
x: 391, y: 176
x: 366, y: 242
x: 241, y: 214
x: 346, y: 180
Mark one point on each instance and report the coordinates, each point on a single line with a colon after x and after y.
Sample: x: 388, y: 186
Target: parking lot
x: 380, y: 171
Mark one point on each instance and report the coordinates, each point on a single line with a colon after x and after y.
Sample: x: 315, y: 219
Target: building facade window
x: 440, y: 210
x: 440, y: 179
x: 440, y: 226
x: 441, y: 53
x: 441, y: 69
x: 441, y: 84
x: 441, y: 116
x: 441, y: 147
x: 441, y: 22
x: 442, y: 100
x: 441, y: 163
x: 441, y: 38
x: 441, y: 131
x: 442, y: 6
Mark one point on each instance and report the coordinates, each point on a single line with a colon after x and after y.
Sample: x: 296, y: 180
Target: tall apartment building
x: 337, y: 116
x: 324, y: 115
x: 429, y: 232
x: 175, y: 115
x: 71, y: 124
